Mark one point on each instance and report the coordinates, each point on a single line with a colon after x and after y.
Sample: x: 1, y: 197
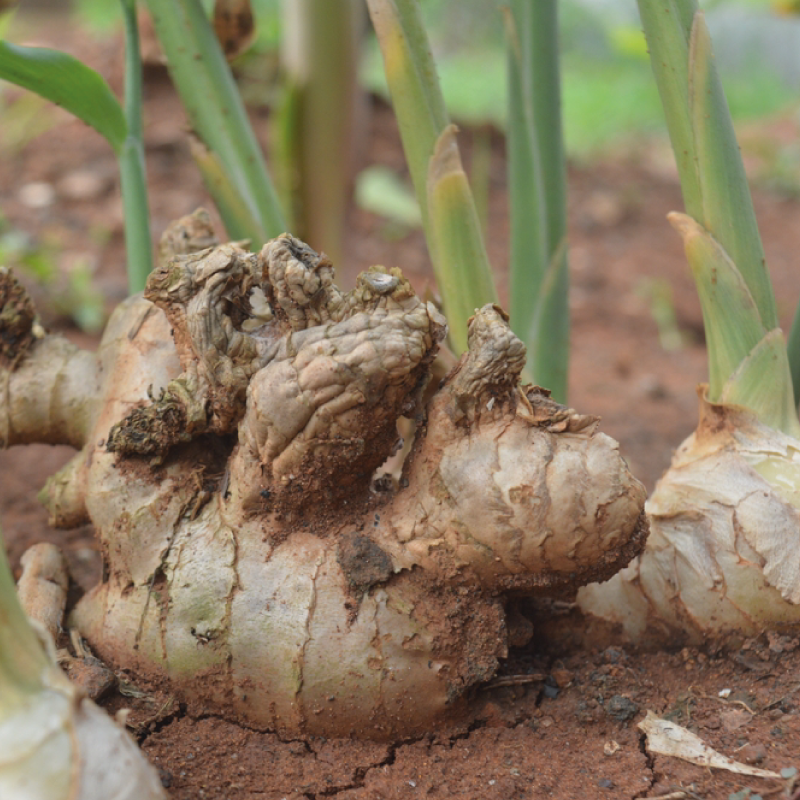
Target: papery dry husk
x: 56, y: 744
x: 723, y: 556
x: 63, y: 747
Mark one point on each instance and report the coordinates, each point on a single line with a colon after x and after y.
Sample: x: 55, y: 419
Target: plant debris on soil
x: 559, y: 724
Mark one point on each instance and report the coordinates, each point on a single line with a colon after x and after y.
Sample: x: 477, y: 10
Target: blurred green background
x: 609, y: 94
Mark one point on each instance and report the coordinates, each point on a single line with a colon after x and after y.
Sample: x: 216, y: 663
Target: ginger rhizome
x: 722, y: 557
x: 230, y: 431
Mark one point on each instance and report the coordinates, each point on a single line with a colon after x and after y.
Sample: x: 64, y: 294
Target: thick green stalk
x: 320, y: 51
x: 138, y: 244
x: 413, y: 84
x: 748, y: 363
x: 712, y: 175
x: 23, y: 661
x: 537, y: 188
x: 793, y: 348
x: 452, y: 228
x: 217, y: 114
x: 760, y: 379
x: 230, y: 204
x: 464, y: 274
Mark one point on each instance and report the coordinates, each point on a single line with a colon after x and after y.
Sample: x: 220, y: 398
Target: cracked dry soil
x: 571, y: 735
x: 570, y: 732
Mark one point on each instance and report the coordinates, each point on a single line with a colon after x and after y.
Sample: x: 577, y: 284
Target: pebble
x: 613, y: 654
x: 91, y: 675
x: 611, y: 748
x: 37, y: 194
x: 621, y: 708
x: 83, y: 184
x: 562, y: 677
x: 753, y: 753
x: 551, y: 692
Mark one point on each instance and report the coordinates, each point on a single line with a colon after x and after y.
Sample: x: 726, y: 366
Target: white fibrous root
x: 723, y: 556
x: 254, y: 553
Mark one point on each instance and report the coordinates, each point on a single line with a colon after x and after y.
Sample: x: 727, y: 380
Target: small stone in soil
x: 621, y: 708
x: 753, y: 753
x: 605, y: 783
x: 562, y: 677
x: 612, y: 655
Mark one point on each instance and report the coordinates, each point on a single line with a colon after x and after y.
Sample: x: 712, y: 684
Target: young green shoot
x: 723, y: 245
x: 721, y: 558
x: 64, y: 80
x: 449, y: 218
x: 204, y: 82
x: 319, y: 52
x: 537, y: 189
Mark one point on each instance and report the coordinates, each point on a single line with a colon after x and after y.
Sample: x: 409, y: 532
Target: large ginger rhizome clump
x: 229, y: 430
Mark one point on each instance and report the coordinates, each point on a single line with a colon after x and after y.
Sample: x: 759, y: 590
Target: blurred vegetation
x: 609, y: 99
x: 608, y: 92
x: 70, y: 293
x: 607, y: 88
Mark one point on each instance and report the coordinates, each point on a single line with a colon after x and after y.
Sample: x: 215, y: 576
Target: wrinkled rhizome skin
x: 723, y: 556
x: 229, y: 431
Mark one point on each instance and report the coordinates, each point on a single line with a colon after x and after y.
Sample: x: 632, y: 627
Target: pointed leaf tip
x: 684, y: 225
x: 446, y: 157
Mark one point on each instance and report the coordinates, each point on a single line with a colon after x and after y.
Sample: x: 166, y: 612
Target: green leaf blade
x: 732, y: 323
x: 537, y: 189
x: 727, y: 207
x: 760, y: 383
x: 215, y: 109
x: 463, y: 272
x: 449, y: 216
x: 70, y: 84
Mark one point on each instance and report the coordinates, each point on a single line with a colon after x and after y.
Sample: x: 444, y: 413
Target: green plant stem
x: 537, y: 188
x: 23, y: 660
x: 464, y: 275
x: 452, y: 227
x: 320, y: 51
x: 712, y: 175
x: 138, y: 243
x: 747, y: 355
x: 413, y: 84
x: 793, y: 349
x: 480, y: 174
x: 217, y: 114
